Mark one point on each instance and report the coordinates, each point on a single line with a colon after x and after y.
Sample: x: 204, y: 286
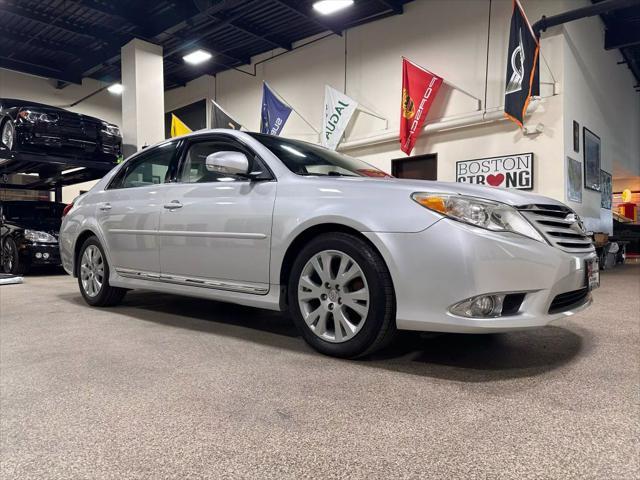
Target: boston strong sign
x: 511, y: 171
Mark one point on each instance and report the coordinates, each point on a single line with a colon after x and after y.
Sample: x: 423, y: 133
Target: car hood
x: 508, y: 196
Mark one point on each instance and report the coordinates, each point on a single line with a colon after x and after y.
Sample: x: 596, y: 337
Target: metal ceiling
x: 67, y: 40
x: 622, y: 31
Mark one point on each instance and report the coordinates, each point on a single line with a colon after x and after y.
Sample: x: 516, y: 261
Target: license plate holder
x: 592, y: 268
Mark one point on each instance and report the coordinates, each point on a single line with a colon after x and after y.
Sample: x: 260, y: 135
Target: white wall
x: 599, y: 95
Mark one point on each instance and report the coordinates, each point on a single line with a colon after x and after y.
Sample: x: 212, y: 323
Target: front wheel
x: 93, y: 276
x: 341, y: 296
x: 10, y: 259
x: 8, y: 134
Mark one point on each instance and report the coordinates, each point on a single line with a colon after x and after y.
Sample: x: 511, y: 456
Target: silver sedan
x: 352, y: 254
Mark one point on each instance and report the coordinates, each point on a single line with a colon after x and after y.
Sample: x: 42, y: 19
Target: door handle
x: 173, y: 205
x: 105, y: 206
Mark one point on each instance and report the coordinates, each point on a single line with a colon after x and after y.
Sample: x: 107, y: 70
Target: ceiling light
x: 199, y: 56
x: 116, y: 88
x: 327, y: 7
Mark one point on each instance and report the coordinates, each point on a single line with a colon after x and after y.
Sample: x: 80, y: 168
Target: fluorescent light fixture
x: 327, y: 7
x: 116, y: 88
x: 199, y: 56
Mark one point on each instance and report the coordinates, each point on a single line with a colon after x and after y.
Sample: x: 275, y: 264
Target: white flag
x: 338, y: 110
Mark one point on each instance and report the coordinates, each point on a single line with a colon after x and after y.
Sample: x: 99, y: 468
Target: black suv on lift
x: 29, y: 234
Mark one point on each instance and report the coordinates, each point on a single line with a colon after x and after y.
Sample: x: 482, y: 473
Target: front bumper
x: 451, y: 261
x: 35, y: 254
x: 88, y: 142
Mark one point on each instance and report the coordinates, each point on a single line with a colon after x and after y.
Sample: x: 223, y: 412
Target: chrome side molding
x: 194, y: 282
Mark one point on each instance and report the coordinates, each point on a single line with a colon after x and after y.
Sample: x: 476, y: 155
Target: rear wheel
x: 341, y: 296
x: 93, y: 276
x: 8, y: 134
x: 10, y: 259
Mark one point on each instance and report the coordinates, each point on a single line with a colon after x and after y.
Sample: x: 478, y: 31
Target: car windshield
x: 305, y: 158
x: 34, y: 214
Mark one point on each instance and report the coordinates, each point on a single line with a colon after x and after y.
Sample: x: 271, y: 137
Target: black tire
x: 8, y: 123
x: 379, y: 324
x: 11, y: 260
x: 106, y: 296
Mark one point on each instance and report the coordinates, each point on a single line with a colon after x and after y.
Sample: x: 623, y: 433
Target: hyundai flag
x: 274, y: 112
x: 419, y: 89
x: 522, y: 65
x: 338, y: 110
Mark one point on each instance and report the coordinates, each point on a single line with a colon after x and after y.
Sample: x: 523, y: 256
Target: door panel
x: 129, y: 218
x: 222, y: 231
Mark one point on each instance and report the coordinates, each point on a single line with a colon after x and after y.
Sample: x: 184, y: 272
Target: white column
x: 142, y: 96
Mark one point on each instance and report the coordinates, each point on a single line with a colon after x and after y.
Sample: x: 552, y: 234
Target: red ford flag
x: 522, y: 65
x: 274, y: 112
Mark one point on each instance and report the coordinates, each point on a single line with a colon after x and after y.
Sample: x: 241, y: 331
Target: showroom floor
x: 169, y: 387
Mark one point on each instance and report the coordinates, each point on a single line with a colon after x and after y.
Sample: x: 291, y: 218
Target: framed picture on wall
x: 606, y: 192
x: 591, y: 149
x: 574, y: 180
x: 576, y: 137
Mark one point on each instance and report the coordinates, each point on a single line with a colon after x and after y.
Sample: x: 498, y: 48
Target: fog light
x: 45, y: 255
x: 481, y: 306
x: 38, y: 255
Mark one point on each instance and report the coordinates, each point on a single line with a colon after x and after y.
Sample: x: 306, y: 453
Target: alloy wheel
x: 333, y: 296
x: 92, y: 271
x: 7, y: 257
x: 8, y: 134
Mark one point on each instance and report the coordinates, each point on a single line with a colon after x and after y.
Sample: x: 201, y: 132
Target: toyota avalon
x: 350, y: 253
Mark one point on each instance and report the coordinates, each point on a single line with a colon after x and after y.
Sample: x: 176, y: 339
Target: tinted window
x: 149, y: 168
x: 307, y: 159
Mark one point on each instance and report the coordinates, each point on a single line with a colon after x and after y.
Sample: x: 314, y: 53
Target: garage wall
x: 599, y: 95
x: 448, y: 37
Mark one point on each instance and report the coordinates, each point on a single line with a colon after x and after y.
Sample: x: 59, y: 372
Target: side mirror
x: 228, y: 163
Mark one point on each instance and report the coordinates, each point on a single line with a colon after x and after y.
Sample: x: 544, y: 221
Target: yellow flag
x: 178, y: 127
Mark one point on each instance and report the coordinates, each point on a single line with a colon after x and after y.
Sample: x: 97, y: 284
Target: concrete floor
x: 170, y: 387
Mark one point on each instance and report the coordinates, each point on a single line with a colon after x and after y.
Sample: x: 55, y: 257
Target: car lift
x: 50, y: 169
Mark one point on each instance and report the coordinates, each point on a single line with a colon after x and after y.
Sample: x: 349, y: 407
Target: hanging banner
x: 221, y: 119
x: 522, y: 66
x: 338, y: 110
x: 274, y: 112
x: 510, y: 171
x: 419, y: 89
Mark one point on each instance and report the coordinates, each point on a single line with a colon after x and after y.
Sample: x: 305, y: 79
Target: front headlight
x: 111, y: 129
x: 33, y: 116
x: 495, y: 216
x: 40, y: 237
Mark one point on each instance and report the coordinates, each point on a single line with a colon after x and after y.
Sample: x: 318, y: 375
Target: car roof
x: 16, y: 102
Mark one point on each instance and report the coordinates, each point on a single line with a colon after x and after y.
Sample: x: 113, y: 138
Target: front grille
x: 567, y: 301
x: 77, y: 127
x: 559, y: 225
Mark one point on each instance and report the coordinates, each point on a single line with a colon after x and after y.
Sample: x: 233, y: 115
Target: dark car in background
x: 26, y: 126
x: 29, y: 234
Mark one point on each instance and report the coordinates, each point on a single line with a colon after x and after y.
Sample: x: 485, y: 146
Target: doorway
x: 421, y: 167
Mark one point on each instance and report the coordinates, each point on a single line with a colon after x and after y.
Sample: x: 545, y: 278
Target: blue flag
x: 274, y: 112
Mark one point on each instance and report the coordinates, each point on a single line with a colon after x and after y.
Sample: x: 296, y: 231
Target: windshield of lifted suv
x: 305, y: 158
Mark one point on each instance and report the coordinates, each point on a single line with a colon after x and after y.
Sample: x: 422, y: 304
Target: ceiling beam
x: 115, y: 11
x: 95, y: 32
x: 395, y: 5
x: 30, y: 40
x: 39, y: 70
x: 255, y: 32
x: 620, y: 36
x: 309, y: 15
